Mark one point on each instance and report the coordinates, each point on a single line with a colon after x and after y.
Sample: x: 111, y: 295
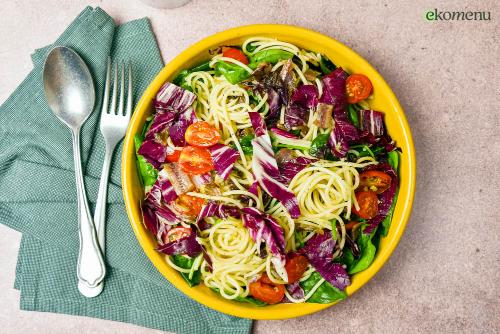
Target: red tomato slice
x: 368, y: 204
x: 189, y: 205
x: 358, y: 88
x: 295, y: 267
x: 195, y: 160
x: 268, y: 293
x: 235, y: 54
x: 375, y: 180
x: 177, y: 233
x: 202, y: 134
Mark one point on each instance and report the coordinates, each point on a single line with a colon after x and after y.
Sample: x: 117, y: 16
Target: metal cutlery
x: 114, y: 122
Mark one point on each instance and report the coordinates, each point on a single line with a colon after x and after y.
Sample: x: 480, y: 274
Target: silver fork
x: 114, y: 123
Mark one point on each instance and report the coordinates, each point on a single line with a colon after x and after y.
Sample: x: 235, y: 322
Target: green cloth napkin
x: 38, y: 195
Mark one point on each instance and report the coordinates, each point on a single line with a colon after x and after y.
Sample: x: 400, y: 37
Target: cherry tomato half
x: 195, y: 160
x: 295, y: 267
x: 358, y: 88
x: 189, y: 205
x: 177, y: 233
x: 202, y: 134
x: 268, y: 293
x: 368, y: 204
x: 375, y: 180
x: 235, y: 54
x: 173, y: 155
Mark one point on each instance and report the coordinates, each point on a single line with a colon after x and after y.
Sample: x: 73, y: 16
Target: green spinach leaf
x: 353, y: 116
x: 187, y: 263
x: 246, y: 143
x: 367, y: 251
x: 269, y: 56
x: 393, y: 160
x: 319, y: 147
x: 232, y: 72
x: 147, y: 172
x: 325, y: 294
x: 326, y: 65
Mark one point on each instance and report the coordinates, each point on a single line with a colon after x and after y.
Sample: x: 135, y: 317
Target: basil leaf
x: 186, y: 263
x: 367, y: 251
x: 148, y: 174
x: 325, y: 294
x: 232, y: 72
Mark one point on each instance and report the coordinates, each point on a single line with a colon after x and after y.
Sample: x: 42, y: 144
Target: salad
x: 267, y: 175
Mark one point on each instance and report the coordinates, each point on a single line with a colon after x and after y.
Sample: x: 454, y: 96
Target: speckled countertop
x: 444, y: 277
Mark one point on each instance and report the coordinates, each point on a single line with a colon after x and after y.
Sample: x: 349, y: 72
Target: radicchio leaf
x: 343, y: 133
x: 154, y: 152
x: 184, y: 246
x: 319, y: 252
x: 306, y: 96
x: 372, y: 121
x: 201, y: 180
x: 267, y: 174
x: 295, y: 116
x: 334, y: 90
x: 178, y: 130
x: 295, y: 290
x: 283, y: 133
x: 223, y: 158
x: 150, y: 220
x: 167, y: 190
x: 173, y: 98
x: 385, y: 198
x: 212, y: 209
x: 263, y: 228
x: 161, y: 121
x: 291, y: 167
x: 265, y: 168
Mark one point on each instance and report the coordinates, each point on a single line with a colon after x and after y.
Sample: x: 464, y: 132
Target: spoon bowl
x: 69, y: 88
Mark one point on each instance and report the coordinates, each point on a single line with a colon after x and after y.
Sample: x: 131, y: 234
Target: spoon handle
x: 90, y: 268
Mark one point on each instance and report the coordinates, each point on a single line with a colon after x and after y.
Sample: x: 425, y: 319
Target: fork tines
x: 111, y: 109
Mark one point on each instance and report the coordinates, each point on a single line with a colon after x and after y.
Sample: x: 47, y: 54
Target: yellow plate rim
x: 279, y: 311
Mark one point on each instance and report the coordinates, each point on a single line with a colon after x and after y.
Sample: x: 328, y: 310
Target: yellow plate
x: 383, y: 100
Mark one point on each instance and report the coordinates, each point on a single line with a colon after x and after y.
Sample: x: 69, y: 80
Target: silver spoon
x: 70, y: 94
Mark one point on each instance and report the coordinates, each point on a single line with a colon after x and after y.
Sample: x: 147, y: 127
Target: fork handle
x: 100, y: 209
x: 90, y: 267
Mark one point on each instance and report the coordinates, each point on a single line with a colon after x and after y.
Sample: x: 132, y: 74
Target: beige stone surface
x: 444, y: 277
